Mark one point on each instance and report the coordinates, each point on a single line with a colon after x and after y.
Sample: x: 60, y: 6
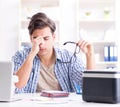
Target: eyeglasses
x: 76, y: 51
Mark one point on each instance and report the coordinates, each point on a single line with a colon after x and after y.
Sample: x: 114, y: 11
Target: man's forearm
x: 24, y: 72
x: 90, y: 61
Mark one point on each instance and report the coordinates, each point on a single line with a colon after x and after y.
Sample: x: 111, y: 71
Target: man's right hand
x: 35, y: 44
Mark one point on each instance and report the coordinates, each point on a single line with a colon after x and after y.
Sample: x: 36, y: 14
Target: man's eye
x: 34, y: 37
x: 46, y: 38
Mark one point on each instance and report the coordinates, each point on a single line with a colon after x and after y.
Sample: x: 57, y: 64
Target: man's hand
x: 35, y: 44
x: 85, y: 46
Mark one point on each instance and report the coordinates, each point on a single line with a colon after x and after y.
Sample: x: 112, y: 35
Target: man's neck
x: 49, y: 59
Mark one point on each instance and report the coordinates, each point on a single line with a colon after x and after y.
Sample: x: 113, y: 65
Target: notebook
x: 54, y: 93
x: 6, y: 82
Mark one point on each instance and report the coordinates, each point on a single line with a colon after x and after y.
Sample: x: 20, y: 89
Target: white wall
x: 9, y: 24
x: 118, y: 28
x: 68, y: 20
x: 9, y: 28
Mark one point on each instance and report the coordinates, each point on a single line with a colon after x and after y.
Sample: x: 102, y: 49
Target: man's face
x: 46, y: 38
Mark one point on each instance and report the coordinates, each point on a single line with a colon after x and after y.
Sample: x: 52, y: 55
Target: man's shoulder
x: 62, y: 53
x: 24, y: 50
x: 61, y: 50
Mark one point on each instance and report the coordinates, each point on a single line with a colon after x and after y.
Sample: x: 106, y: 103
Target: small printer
x: 101, y: 86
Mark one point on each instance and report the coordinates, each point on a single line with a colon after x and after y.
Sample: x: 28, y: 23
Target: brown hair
x: 40, y: 21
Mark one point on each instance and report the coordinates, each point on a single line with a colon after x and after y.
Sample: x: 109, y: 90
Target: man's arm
x: 90, y: 60
x: 24, y: 71
x: 88, y: 49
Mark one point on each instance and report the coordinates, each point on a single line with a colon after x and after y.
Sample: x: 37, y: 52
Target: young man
x: 44, y: 67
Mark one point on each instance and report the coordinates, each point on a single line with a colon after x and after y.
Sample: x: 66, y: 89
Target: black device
x: 101, y: 86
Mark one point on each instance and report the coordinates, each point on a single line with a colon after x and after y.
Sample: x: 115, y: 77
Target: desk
x: 35, y: 100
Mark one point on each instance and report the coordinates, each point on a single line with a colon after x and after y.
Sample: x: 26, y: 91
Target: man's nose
x: 42, y: 41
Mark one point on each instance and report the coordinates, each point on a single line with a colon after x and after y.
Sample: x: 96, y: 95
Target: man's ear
x: 54, y: 36
x: 30, y: 38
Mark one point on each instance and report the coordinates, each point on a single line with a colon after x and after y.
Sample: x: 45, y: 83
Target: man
x: 44, y: 67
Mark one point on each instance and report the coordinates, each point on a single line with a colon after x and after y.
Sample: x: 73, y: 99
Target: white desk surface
x: 35, y: 100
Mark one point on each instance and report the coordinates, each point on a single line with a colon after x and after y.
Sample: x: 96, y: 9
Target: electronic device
x: 101, y: 86
x: 7, y: 82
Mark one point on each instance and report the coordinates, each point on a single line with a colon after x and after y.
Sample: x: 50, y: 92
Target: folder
x: 106, y: 53
x: 115, y: 53
x: 111, y: 53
